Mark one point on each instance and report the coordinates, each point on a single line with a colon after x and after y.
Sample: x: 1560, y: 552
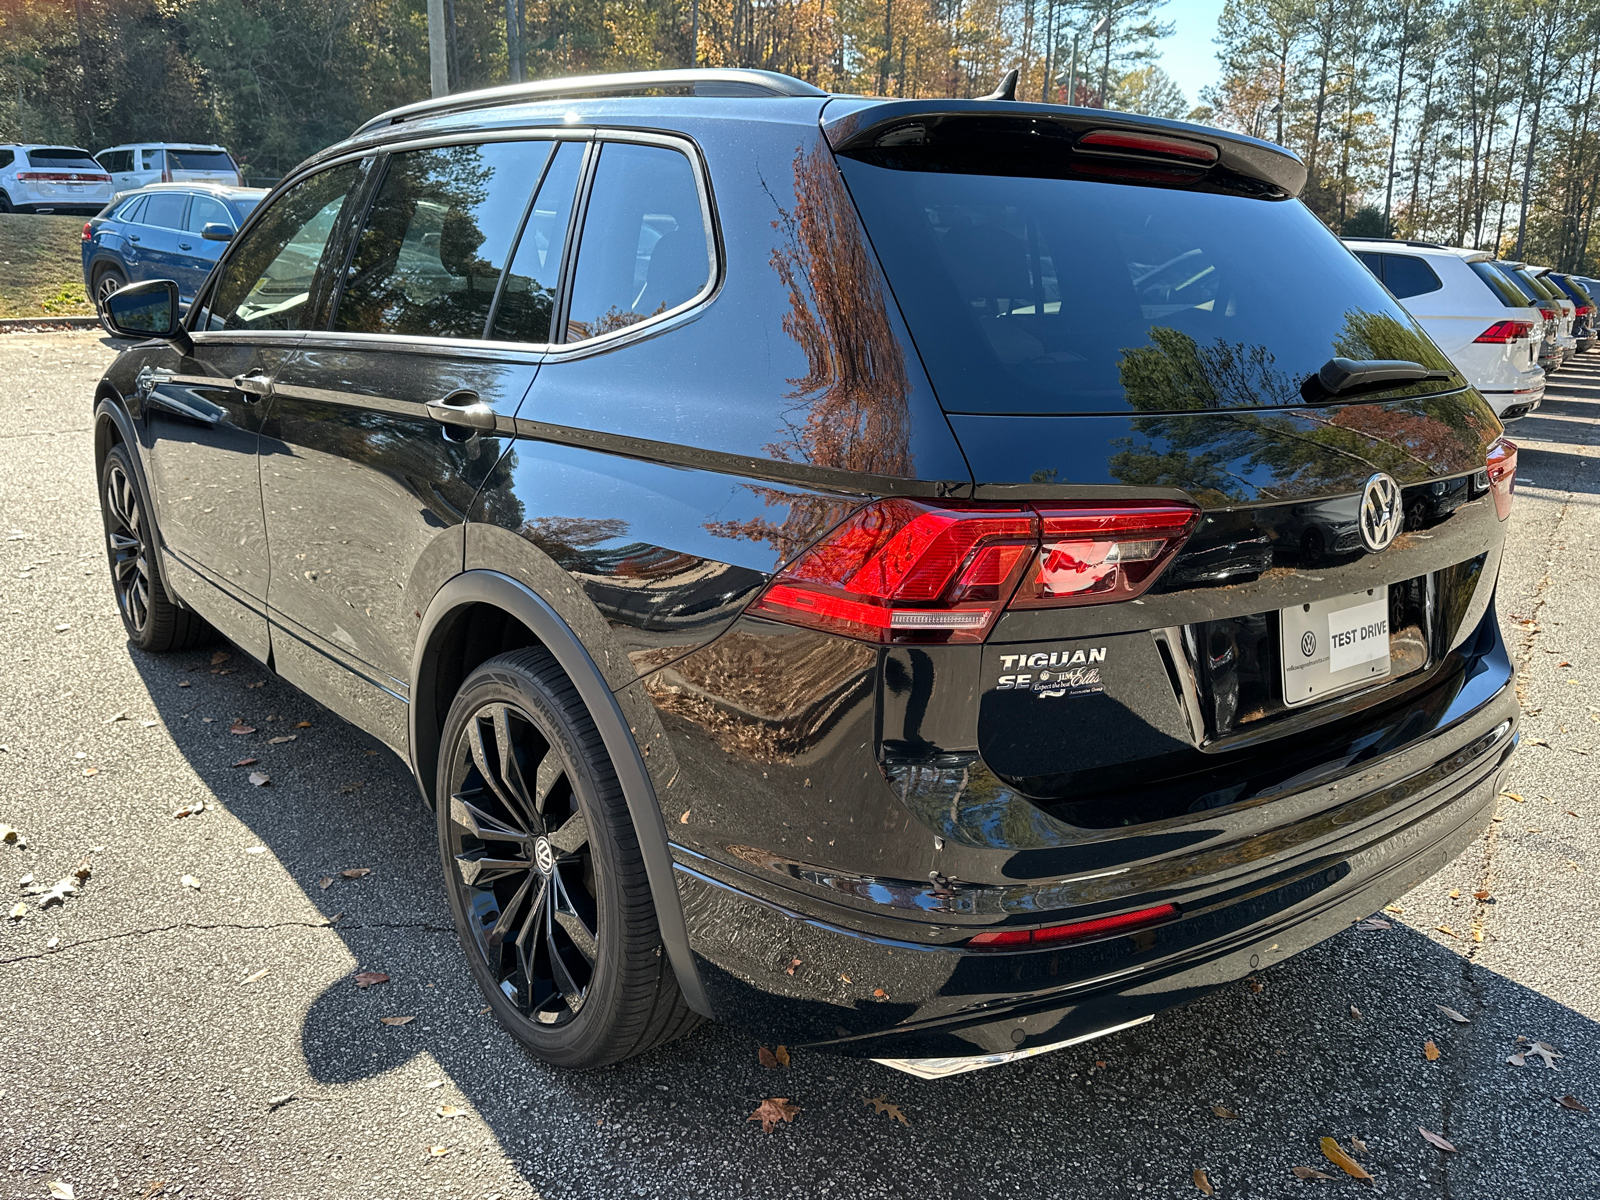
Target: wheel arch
x: 114, y: 427
x: 482, y: 610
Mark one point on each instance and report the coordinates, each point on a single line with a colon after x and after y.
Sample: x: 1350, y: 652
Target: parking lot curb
x: 46, y: 324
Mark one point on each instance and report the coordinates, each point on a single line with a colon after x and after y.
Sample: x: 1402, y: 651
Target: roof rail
x: 1355, y: 237
x: 708, y: 81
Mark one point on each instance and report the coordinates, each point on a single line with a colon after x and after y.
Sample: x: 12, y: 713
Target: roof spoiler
x: 724, y: 82
x: 852, y: 124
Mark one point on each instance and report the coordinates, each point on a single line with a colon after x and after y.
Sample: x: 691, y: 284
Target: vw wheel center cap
x: 543, y: 856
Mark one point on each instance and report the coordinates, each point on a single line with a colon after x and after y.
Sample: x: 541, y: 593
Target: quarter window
x: 644, y: 247
x: 7, y: 157
x: 130, y: 211
x: 528, y: 300
x: 265, y: 282
x: 437, y: 237
x: 1407, y: 275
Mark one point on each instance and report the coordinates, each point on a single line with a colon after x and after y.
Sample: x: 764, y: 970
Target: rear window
x: 1038, y: 295
x: 200, y: 160
x: 1496, y: 281
x: 63, y: 159
x: 1408, y: 275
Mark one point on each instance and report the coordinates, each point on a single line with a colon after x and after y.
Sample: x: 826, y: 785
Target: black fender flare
x: 505, y: 593
x: 109, y: 407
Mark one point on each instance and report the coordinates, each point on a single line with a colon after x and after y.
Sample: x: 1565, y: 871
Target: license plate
x: 74, y: 187
x: 1331, y: 645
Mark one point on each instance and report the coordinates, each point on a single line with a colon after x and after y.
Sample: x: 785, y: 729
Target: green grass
x: 41, y: 266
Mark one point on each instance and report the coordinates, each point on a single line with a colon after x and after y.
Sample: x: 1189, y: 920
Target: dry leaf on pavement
x: 1573, y: 1103
x: 365, y: 979
x: 278, y: 741
x: 451, y: 1111
x: 189, y: 881
x: 880, y: 1104
x: 1334, y: 1153
x: 438, y: 1151
x: 1453, y: 1015
x: 397, y: 1020
x: 247, y: 762
x: 257, y: 977
x: 302, y: 724
x: 1309, y: 1173
x: 1358, y: 1145
x: 190, y: 810
x: 18, y: 911
x: 220, y: 657
x: 1546, y: 1052
x: 325, y: 882
x: 1227, y: 1114
x: 1484, y: 895
x: 1436, y: 1140
x: 356, y: 872
x: 259, y: 779
x: 773, y: 1110
x: 1429, y: 1050
x: 766, y: 1058
x: 61, y: 1191
x: 1355, y: 1012
x: 1200, y: 1180
x: 240, y: 728
x: 792, y: 965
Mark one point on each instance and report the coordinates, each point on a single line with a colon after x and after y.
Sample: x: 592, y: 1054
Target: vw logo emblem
x: 543, y: 856
x: 1308, y: 643
x: 1381, y: 513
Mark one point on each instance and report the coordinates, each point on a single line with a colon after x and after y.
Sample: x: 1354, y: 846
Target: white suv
x: 134, y: 166
x: 1485, y: 326
x: 52, y: 179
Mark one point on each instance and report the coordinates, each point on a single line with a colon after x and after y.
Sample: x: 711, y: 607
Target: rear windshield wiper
x: 1340, y: 378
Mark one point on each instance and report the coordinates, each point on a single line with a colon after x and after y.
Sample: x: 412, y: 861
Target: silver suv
x: 143, y: 163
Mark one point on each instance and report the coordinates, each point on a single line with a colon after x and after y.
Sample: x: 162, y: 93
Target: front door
x: 201, y: 420
x: 385, y: 426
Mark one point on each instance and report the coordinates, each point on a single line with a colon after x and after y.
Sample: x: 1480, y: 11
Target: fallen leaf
x: 148, y: 724
x: 1518, y: 1060
x: 438, y: 1151
x: 121, y: 716
x: 1358, y: 1145
x: 259, y: 779
x: 302, y: 724
x: 240, y: 728
x: 61, y: 1191
x: 183, y: 683
x: 1447, y: 929
x: 258, y: 976
x: 83, y: 870
x: 220, y: 657
x: 879, y: 994
x: 1201, y: 1182
x: 1517, y: 796
x: 1309, y: 1173
x: 397, y: 1020
x: 1334, y: 1153
x: 1453, y: 1015
x: 325, y: 882
x: 1227, y: 1114
x: 278, y: 741
x: 190, y: 810
x: 434, y: 1083
x: 1477, y: 933
x: 880, y: 1104
x: 795, y: 963
x: 1480, y: 895
x: 1436, y: 1140
x: 356, y: 872
x: 1256, y: 985
x: 451, y: 1111
x: 255, y: 849
x: 190, y: 881
x: 18, y: 911
x: 365, y: 979
x: 1395, y: 909
x: 1546, y: 1052
x: 782, y: 1055
x: 1573, y: 1103
x: 1355, y: 1012
x: 844, y: 978
x: 153, y: 1188
x: 766, y: 1058
x: 684, y: 820
x: 260, y: 683
x: 1429, y: 1050
x: 7, y: 834
x: 773, y: 1110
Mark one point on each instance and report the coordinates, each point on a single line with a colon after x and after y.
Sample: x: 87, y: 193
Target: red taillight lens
x: 1076, y: 931
x: 1549, y: 314
x: 912, y: 571
x: 1119, y: 141
x: 1506, y: 331
x: 61, y: 177
x: 1583, y: 310
x: 88, y: 232
x: 1502, y: 467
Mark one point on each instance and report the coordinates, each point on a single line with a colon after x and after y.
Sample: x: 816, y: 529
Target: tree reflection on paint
x: 852, y: 405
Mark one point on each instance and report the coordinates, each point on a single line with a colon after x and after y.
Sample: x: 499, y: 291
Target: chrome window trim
x: 332, y: 339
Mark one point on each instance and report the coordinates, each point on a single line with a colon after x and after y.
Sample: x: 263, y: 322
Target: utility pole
x: 438, y: 49
x: 694, y: 33
x: 1072, y: 71
x: 1104, y: 26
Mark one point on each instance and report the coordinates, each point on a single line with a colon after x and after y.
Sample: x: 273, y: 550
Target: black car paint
x: 814, y: 798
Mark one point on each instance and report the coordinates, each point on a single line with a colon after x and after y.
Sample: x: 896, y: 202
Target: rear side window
x: 200, y: 160
x: 1580, y: 294
x: 62, y: 159
x: 151, y: 160
x: 204, y: 210
x: 644, y: 248
x: 117, y: 160
x: 436, y: 239
x: 131, y: 210
x: 1524, y: 285
x: 527, y: 302
x: 1407, y: 275
x: 7, y: 157
x: 1045, y: 295
x: 1497, y: 283
x: 165, y: 210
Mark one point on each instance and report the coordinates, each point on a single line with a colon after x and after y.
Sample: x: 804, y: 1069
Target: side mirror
x: 216, y: 231
x: 148, y: 310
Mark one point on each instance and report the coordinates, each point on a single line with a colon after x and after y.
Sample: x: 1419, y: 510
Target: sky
x: 1189, y: 55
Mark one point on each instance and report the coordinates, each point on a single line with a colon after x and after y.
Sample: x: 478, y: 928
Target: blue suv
x: 165, y: 231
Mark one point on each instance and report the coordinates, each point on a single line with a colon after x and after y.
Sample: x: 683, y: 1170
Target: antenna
x: 1007, y: 89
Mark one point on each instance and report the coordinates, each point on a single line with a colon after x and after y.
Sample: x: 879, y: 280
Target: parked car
x: 51, y: 179
x: 918, y: 739
x: 144, y: 163
x: 1484, y: 325
x: 1569, y: 309
x: 165, y: 231
x: 1584, y: 327
x: 1560, y: 345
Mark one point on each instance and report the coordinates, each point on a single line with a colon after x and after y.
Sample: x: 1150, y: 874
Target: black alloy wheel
x: 152, y: 620
x: 545, y: 877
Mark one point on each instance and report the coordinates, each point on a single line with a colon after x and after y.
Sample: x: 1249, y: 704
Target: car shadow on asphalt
x: 1284, y: 1052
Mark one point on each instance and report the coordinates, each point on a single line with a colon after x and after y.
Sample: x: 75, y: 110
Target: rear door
x: 160, y: 229
x: 196, y: 256
x: 202, y: 419
x: 388, y: 420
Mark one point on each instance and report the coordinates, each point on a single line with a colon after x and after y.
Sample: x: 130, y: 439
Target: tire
x: 152, y: 620
x: 5, y: 204
x: 106, y: 281
x: 560, y: 931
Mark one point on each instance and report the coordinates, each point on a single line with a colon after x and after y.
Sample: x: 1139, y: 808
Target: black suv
x: 934, y: 579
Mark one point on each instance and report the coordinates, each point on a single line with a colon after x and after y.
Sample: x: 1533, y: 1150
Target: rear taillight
x: 1506, y: 331
x: 1549, y: 314
x: 1583, y: 310
x: 61, y: 177
x: 88, y: 231
x: 1501, y: 463
x: 1123, y: 141
x: 913, y: 571
x: 1076, y: 931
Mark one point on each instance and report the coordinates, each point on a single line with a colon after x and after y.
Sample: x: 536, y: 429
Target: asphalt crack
x: 421, y: 926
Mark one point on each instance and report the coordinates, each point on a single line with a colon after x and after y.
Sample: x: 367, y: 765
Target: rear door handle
x: 183, y: 245
x: 133, y: 237
x: 462, y: 408
x: 254, y: 384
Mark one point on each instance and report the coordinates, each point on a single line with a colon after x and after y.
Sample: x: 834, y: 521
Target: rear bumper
x: 909, y: 989
x: 62, y: 208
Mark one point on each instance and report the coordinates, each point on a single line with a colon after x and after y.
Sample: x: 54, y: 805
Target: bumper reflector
x: 1075, y: 931
x: 943, y: 1068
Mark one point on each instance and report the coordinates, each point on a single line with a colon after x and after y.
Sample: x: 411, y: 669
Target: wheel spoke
x: 571, y: 993
x: 486, y: 764
x: 481, y: 825
x: 566, y: 915
x: 508, y: 914
x: 510, y: 769
x: 573, y: 834
x: 550, y: 771
x: 481, y: 871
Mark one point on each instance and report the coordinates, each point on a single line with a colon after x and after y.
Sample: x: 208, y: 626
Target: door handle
x: 183, y: 245
x: 462, y: 408
x: 133, y: 237
x: 254, y: 384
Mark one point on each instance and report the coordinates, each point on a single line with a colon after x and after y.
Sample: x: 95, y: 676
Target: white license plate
x: 1331, y: 645
x: 74, y: 187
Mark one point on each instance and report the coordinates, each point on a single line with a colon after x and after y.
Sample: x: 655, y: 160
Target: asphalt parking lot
x: 151, y: 1031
